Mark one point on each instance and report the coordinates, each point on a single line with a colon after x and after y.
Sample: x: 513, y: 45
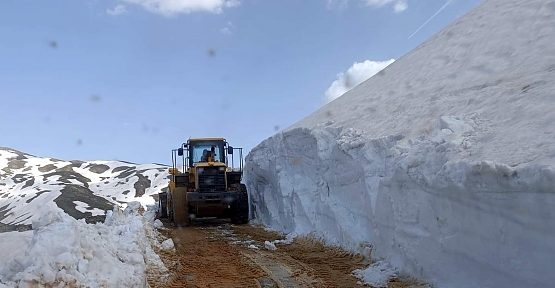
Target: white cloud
x: 232, y: 3
x: 399, y: 5
x: 340, y: 4
x: 118, y: 10
x: 227, y: 30
x: 355, y: 75
x: 174, y: 7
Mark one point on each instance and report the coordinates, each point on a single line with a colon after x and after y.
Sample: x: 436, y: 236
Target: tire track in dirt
x: 218, y: 254
x: 309, y: 259
x: 202, y: 261
x: 311, y: 262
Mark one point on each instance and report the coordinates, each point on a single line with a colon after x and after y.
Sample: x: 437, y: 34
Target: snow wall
x: 443, y: 165
x: 452, y: 223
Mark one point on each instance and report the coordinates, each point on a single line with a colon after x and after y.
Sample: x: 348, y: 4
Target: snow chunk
x: 167, y: 244
x: 288, y: 239
x: 158, y: 223
x: 455, y: 124
x: 453, y: 130
x: 377, y: 275
x: 269, y: 245
x: 133, y: 207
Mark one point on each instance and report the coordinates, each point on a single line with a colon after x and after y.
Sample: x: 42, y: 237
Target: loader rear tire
x: 169, y: 207
x: 180, y: 207
x: 240, y: 212
x: 162, y: 205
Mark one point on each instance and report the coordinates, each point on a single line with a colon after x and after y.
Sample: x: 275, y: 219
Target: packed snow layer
x: 65, y: 252
x: 13, y: 244
x: 443, y: 165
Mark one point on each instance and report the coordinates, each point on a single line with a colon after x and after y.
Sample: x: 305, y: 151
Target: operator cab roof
x: 206, y: 139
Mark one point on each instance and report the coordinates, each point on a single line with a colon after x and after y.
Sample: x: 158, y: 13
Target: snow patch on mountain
x: 84, y: 207
x: 33, y: 186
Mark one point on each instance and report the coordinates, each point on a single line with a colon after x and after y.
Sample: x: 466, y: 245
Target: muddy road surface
x: 214, y: 253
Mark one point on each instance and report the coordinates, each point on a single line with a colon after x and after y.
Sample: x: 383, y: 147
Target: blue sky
x: 132, y: 79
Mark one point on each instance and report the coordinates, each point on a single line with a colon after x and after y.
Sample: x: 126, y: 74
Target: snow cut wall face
x: 453, y: 223
x: 444, y: 165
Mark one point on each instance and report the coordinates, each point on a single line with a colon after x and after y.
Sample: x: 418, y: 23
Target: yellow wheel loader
x: 205, y: 183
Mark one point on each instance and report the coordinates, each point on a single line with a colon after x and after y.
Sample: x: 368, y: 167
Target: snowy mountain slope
x: 31, y: 186
x: 443, y: 164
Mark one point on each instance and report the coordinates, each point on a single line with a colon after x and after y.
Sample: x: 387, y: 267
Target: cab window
x: 200, y: 151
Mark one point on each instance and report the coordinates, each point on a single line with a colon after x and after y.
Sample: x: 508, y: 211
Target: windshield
x: 201, y: 150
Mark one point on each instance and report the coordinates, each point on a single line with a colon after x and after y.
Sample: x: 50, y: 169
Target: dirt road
x: 218, y: 254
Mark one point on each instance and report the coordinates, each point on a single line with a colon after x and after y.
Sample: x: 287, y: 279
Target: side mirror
x: 229, y: 150
x: 180, y: 151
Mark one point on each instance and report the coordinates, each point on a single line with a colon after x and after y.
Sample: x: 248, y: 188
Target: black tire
x: 169, y: 207
x: 162, y: 205
x: 180, y: 207
x: 240, y: 209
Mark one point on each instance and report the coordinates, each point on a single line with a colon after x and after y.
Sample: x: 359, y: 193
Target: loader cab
x: 202, y: 150
x: 206, y: 151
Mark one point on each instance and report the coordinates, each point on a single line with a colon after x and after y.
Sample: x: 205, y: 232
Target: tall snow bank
x: 451, y: 222
x: 65, y: 252
x: 443, y: 164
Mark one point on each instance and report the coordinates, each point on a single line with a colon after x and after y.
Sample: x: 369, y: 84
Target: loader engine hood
x: 211, y: 177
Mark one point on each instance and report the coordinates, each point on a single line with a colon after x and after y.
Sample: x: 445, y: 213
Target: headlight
x: 200, y: 170
x: 222, y: 168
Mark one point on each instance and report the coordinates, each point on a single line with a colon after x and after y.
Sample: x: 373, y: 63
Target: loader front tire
x: 180, y: 207
x: 240, y: 211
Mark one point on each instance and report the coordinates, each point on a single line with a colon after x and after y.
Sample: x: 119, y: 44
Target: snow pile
x: 67, y: 252
x: 158, y: 224
x: 377, y: 275
x: 444, y: 164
